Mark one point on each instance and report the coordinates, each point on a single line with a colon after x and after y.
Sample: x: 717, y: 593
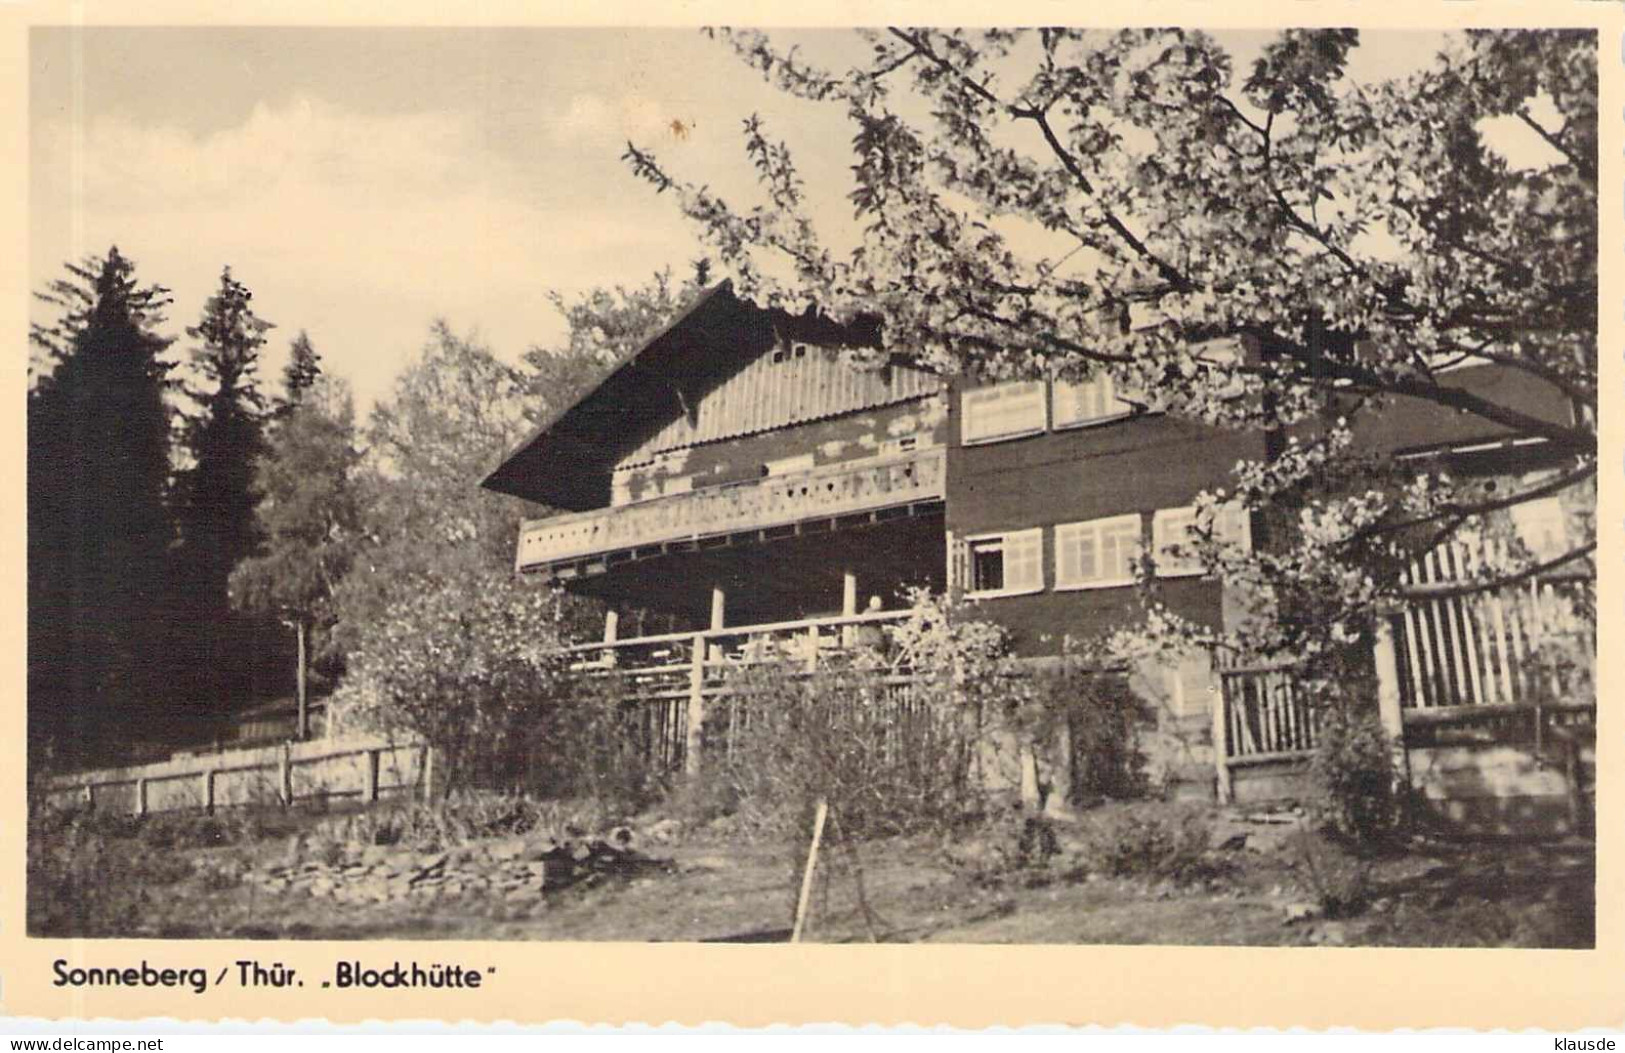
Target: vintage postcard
x: 980, y: 515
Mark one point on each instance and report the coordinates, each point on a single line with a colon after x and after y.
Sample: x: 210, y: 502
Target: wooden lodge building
x: 736, y: 479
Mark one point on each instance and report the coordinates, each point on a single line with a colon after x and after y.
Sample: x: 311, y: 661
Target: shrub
x: 1140, y: 844
x: 88, y: 875
x: 1353, y: 768
x: 1340, y: 882
x: 589, y: 745
x: 886, y: 762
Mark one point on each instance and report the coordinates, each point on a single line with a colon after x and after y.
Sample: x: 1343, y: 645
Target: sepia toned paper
x: 925, y: 984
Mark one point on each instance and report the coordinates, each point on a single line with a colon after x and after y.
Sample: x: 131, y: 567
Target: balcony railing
x: 777, y: 501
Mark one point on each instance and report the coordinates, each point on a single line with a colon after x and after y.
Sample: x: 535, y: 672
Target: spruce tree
x: 99, y: 526
x: 303, y: 370
x: 224, y: 439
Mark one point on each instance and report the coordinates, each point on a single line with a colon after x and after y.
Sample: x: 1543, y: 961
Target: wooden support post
x: 141, y: 797
x: 208, y: 790
x: 696, y: 699
x: 285, y: 775
x: 849, y: 608
x: 805, y: 898
x: 90, y: 797
x: 719, y: 606
x: 304, y: 702
x: 1027, y: 757
x: 1388, y: 708
x: 372, y: 776
x: 812, y: 648
x: 428, y: 772
x: 612, y: 629
x: 1221, y: 720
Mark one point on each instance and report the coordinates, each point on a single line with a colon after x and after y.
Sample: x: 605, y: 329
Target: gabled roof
x: 520, y: 468
x: 566, y: 461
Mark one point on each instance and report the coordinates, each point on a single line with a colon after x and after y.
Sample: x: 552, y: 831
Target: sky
x: 365, y: 182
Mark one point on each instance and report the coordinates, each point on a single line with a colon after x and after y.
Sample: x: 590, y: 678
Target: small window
x: 1097, y: 554
x: 1173, y: 526
x: 1002, y: 411
x: 1005, y: 564
x: 1091, y: 402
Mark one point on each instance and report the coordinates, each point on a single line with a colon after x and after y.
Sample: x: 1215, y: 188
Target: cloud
x: 360, y: 227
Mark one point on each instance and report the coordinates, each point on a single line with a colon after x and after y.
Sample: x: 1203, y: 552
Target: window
x: 1090, y: 402
x: 1097, y: 554
x: 1005, y: 564
x: 1002, y: 411
x: 1172, y: 526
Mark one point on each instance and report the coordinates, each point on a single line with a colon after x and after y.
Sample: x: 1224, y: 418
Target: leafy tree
x: 467, y: 661
x: 1077, y: 202
x: 224, y: 440
x: 99, y: 526
x: 310, y: 517
x: 604, y: 327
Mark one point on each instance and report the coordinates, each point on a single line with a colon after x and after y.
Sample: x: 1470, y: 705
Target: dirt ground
x: 713, y: 889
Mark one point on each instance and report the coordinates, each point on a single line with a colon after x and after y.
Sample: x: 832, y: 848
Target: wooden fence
x: 360, y: 768
x: 676, y: 676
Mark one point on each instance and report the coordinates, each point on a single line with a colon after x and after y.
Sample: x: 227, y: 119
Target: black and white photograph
x: 873, y: 485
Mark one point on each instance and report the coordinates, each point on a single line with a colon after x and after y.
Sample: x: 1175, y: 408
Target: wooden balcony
x: 834, y: 492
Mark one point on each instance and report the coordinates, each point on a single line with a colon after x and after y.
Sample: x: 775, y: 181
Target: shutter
x: 1092, y: 400
x: 958, y: 563
x: 1170, y: 527
x: 1077, y: 553
x: 1002, y: 411
x: 1119, y: 547
x: 1539, y: 525
x: 1024, y: 561
x: 1235, y: 526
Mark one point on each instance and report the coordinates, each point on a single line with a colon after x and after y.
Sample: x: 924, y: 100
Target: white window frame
x: 1033, y: 537
x: 1033, y: 423
x: 1106, y: 387
x: 1233, y: 526
x: 1067, y: 533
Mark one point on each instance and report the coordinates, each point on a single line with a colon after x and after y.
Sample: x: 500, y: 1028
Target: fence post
x: 285, y: 775
x: 428, y: 772
x: 1221, y: 724
x: 1388, y: 708
x: 90, y: 797
x: 812, y: 648
x: 696, y: 706
x: 372, y: 776
x: 208, y: 790
x: 141, y: 797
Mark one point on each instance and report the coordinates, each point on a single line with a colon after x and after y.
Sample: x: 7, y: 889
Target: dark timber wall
x: 1137, y: 464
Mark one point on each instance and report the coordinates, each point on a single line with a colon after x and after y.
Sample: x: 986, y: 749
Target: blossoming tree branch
x: 1071, y: 202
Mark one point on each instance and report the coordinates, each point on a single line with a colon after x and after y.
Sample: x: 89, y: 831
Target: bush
x: 1340, y: 882
x: 80, y: 883
x: 463, y: 816
x: 1353, y: 768
x: 1139, y: 844
x: 589, y: 745
x: 887, y: 760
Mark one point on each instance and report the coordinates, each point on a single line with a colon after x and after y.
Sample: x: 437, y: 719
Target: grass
x: 181, y: 877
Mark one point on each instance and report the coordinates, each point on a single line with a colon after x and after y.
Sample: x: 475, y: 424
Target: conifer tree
x: 99, y: 526
x: 224, y: 438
